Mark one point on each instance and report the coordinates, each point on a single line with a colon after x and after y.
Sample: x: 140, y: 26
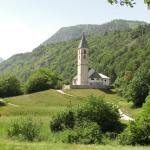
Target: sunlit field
x: 42, y: 106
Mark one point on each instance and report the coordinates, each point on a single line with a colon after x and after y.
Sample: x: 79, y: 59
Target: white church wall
x: 106, y: 81
x: 96, y: 86
x: 94, y: 80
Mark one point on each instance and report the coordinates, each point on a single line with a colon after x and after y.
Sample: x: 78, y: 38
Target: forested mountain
x: 1, y: 59
x: 113, y: 54
x: 74, y: 32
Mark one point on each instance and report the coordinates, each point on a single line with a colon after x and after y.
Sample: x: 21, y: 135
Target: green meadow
x: 42, y: 106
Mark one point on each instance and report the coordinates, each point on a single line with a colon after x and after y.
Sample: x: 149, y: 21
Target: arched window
x: 84, y: 51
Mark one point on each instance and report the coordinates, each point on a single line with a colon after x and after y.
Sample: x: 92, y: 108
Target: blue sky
x: 25, y: 24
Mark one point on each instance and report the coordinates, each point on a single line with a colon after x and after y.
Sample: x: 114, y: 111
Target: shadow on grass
x: 2, y: 103
x: 108, y: 91
x: 135, y: 107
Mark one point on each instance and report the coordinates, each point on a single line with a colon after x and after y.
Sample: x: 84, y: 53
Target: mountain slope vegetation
x: 74, y: 32
x: 112, y: 54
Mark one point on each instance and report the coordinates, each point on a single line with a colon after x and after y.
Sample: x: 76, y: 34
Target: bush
x: 139, y: 87
x: 85, y: 133
x: 25, y: 128
x: 9, y: 86
x: 64, y: 120
x: 138, y: 132
x: 87, y: 123
x: 94, y: 110
x: 69, y: 120
x: 146, y: 108
x: 41, y: 80
x: 70, y: 136
x: 56, y: 124
x: 106, y: 115
x: 138, y: 92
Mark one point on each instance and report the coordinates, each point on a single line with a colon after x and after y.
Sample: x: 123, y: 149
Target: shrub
x: 139, y: 87
x: 90, y: 133
x: 86, y: 124
x: 64, y: 120
x: 9, y: 86
x: 69, y: 119
x: 111, y: 135
x: 41, y: 80
x: 138, y: 132
x: 56, y: 123
x: 106, y: 115
x: 146, y: 108
x: 138, y: 92
x: 25, y: 128
x: 85, y: 133
x: 95, y: 110
x: 70, y: 136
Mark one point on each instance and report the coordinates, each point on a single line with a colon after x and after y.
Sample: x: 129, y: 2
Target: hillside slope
x: 74, y: 32
x: 111, y: 54
x: 46, y: 103
x: 42, y: 106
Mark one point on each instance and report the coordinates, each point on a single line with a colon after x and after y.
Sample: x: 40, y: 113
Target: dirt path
x: 62, y: 92
x: 123, y: 116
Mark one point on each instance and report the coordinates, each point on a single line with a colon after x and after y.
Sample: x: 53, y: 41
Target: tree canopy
x: 130, y: 3
x: 9, y: 86
x: 42, y: 79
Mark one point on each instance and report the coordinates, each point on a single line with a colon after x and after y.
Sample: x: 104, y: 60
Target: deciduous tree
x: 130, y: 3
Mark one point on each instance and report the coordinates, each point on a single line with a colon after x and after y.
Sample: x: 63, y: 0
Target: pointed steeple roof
x: 83, y: 43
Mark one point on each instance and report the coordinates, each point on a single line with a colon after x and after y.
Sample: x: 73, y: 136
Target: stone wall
x: 86, y: 87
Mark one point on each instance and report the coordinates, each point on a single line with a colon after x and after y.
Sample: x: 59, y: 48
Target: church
x: 87, y: 78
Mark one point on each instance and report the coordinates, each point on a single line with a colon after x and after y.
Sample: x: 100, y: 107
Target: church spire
x: 83, y: 42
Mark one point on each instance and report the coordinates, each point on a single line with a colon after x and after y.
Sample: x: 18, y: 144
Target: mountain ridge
x: 74, y: 32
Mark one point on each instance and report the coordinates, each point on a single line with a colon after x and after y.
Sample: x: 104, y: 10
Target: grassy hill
x: 42, y: 106
x: 48, y: 102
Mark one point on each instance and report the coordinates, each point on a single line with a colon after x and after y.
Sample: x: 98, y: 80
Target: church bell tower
x: 82, y: 68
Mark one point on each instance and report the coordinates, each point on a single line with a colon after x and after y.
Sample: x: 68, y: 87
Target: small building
x: 94, y: 78
x: 87, y: 78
